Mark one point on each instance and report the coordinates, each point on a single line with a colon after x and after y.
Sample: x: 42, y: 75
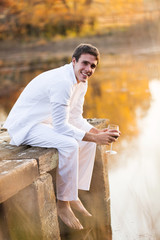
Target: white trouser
x: 76, y: 160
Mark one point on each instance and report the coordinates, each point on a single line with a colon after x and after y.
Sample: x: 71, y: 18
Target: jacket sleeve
x: 60, y: 122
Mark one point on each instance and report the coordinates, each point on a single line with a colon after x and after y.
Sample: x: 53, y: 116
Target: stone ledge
x: 8, y: 151
x: 37, y: 218
x: 47, y: 158
x: 16, y: 175
x: 98, y: 122
x: 31, y: 214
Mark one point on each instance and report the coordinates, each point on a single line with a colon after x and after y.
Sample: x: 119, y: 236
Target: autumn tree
x: 48, y: 17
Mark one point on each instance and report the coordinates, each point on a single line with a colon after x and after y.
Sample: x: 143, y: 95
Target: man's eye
x: 93, y: 66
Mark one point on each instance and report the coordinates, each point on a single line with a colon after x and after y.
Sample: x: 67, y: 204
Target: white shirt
x: 54, y: 94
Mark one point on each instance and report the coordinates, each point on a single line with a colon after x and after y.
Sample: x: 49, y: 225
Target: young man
x: 48, y: 113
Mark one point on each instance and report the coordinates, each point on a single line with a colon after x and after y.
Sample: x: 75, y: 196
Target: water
x: 125, y: 89
x: 134, y: 183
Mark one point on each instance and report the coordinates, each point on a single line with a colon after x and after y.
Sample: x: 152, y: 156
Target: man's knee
x: 69, y: 152
x: 71, y: 145
x: 74, y: 144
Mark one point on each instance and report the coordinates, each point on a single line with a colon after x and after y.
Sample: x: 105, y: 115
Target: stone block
x: 8, y: 151
x: 31, y: 214
x: 3, y: 225
x: 47, y: 158
x: 98, y: 122
x: 4, y: 136
x: 16, y: 175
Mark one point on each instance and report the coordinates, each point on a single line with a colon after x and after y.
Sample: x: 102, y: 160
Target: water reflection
x: 134, y: 179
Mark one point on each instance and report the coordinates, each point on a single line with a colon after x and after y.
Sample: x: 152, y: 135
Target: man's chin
x: 82, y: 80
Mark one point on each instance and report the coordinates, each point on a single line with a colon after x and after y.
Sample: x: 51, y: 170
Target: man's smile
x: 86, y: 74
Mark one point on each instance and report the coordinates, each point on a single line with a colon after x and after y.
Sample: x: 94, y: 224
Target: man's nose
x: 88, y: 68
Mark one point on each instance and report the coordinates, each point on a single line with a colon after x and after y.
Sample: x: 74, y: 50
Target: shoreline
x: 120, y: 47
x: 14, y: 53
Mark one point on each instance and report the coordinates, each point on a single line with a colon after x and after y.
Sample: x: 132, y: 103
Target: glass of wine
x: 115, y: 127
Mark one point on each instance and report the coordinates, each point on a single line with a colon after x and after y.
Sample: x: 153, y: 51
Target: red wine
x: 116, y: 136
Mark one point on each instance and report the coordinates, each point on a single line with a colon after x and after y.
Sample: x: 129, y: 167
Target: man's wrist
x: 94, y: 130
x: 89, y: 137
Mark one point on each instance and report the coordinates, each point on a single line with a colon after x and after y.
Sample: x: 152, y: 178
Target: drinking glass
x: 116, y: 127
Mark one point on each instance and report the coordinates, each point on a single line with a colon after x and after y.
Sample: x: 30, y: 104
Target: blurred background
x: 38, y: 35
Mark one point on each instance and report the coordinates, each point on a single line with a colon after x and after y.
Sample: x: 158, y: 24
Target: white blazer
x: 54, y: 95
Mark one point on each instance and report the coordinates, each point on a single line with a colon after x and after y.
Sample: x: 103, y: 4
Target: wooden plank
x: 16, y: 175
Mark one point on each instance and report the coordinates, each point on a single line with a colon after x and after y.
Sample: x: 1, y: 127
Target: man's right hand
x: 103, y: 137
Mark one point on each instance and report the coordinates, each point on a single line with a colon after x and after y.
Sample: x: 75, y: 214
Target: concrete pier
x: 27, y: 195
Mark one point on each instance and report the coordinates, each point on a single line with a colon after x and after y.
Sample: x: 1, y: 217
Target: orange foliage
x: 31, y: 16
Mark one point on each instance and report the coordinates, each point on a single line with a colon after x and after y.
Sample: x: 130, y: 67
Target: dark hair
x: 84, y: 49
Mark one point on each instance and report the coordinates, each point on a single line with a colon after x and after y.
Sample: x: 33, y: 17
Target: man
x: 48, y: 113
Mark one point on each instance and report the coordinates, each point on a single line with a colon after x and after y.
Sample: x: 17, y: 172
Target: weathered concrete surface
x: 4, y: 136
x: 16, y: 175
x: 47, y: 158
x: 7, y: 150
x: 31, y: 214
x: 98, y: 122
x: 3, y: 225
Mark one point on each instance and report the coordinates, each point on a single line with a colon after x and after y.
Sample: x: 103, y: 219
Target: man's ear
x: 73, y: 60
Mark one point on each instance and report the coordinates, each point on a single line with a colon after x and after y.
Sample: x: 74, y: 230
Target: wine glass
x: 116, y: 127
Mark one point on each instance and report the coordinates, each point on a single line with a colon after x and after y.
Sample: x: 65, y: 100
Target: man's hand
x: 103, y: 137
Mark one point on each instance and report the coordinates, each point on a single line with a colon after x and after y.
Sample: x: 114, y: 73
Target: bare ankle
x: 67, y: 216
x: 77, y: 205
x: 62, y: 204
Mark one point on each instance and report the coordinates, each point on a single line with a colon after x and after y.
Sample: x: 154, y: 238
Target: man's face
x: 85, y: 67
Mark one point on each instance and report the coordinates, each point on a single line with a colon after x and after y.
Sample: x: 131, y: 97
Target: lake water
x: 126, y: 90
x: 134, y: 178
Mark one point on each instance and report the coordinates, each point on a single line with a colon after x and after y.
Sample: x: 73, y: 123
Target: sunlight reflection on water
x: 134, y: 186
